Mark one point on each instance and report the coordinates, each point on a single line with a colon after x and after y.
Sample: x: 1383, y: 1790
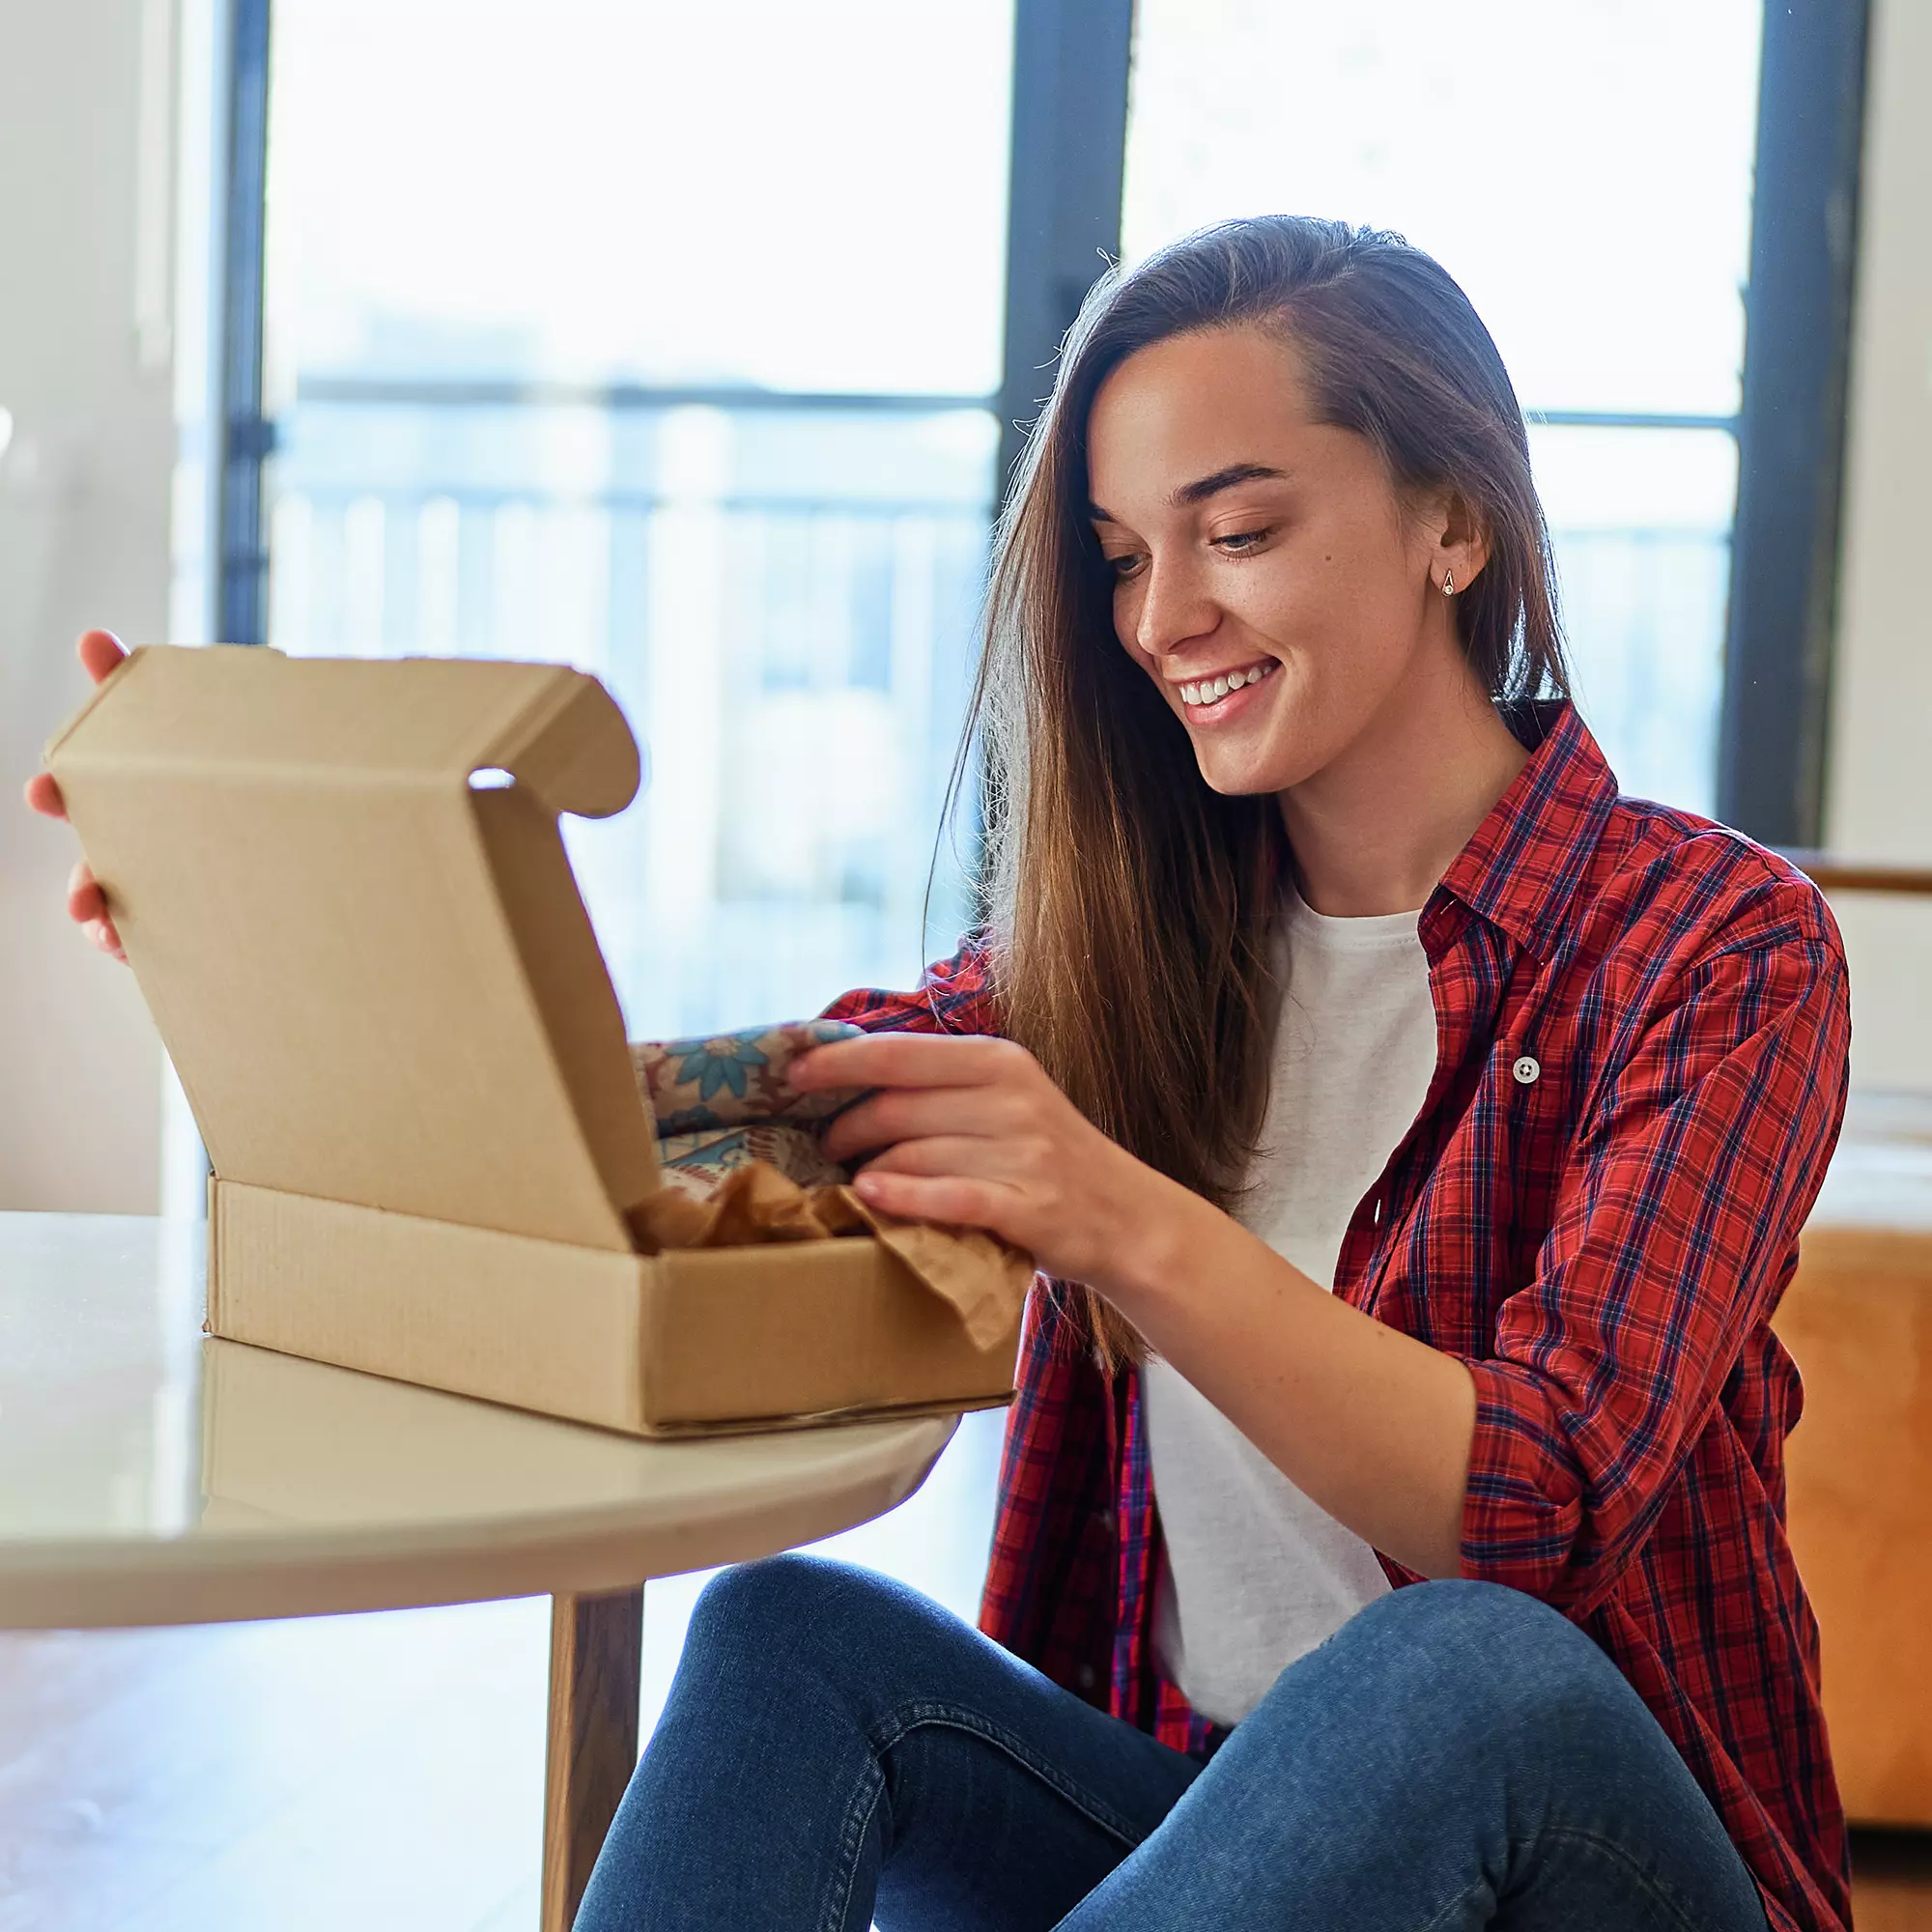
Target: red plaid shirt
x: 1602, y: 1243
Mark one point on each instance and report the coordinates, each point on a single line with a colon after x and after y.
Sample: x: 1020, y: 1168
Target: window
x: 598, y: 331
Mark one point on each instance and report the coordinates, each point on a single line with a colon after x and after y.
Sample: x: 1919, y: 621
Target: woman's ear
x: 1462, y: 543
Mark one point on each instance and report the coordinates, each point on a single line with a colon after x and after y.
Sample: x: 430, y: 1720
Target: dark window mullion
x: 245, y: 438
x: 1798, y: 311
x: 1069, y: 137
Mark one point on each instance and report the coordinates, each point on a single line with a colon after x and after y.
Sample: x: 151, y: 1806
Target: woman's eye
x: 1126, y: 566
x: 1242, y: 541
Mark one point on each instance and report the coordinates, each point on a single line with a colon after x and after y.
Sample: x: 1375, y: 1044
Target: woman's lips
x: 1232, y: 706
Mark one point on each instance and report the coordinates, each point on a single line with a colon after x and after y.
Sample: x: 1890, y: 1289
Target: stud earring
x: 1448, y: 583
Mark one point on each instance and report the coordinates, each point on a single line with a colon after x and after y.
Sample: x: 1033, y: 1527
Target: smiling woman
x: 1285, y: 436
x: 1414, y: 1135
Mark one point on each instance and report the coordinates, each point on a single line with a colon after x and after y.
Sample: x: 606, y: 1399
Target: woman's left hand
x: 970, y: 1131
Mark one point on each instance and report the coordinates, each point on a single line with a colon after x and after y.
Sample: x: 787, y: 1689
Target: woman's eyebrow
x: 1199, y: 490
x: 1204, y: 486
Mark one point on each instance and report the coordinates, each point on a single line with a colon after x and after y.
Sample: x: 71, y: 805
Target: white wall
x: 1878, y: 798
x: 84, y: 504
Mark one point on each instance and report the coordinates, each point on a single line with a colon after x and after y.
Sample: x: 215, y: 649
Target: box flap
x: 378, y: 983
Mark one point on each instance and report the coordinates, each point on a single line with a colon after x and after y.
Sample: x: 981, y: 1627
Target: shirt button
x: 1106, y: 1519
x: 1088, y: 1677
x: 1527, y: 1071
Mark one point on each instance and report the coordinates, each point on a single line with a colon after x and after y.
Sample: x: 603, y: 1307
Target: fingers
x: 99, y: 651
x: 964, y: 1157
x: 85, y: 900
x: 908, y: 1060
x: 951, y: 1201
x: 885, y: 1117
x: 44, y: 796
x: 87, y: 906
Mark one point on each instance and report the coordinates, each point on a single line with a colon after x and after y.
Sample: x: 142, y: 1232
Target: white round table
x: 152, y: 1475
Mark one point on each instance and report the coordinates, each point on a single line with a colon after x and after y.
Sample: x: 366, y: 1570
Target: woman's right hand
x: 86, y: 903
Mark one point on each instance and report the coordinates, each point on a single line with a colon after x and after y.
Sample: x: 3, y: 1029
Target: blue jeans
x: 836, y: 1746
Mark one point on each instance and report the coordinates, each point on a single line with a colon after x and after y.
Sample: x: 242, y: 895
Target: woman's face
x: 1253, y: 545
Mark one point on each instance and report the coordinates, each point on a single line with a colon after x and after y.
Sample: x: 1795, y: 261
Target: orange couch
x: 1857, y: 1318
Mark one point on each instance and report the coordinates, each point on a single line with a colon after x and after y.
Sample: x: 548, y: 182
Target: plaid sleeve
x: 953, y: 996
x: 1676, y: 1228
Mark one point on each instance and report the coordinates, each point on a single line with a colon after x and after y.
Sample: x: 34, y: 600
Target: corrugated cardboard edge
x: 807, y: 1328
x: 538, y: 1325
x: 701, y: 1342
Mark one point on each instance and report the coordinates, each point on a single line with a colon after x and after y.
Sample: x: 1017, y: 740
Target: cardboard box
x: 342, y: 887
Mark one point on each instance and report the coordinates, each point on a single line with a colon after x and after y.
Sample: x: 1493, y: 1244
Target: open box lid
x: 377, y: 980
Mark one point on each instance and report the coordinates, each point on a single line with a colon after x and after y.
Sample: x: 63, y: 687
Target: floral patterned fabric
x: 723, y: 1101
x: 697, y: 1163
x: 728, y: 1080
x: 741, y: 1161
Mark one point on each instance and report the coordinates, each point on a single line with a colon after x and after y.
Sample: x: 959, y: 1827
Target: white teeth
x: 1217, y: 688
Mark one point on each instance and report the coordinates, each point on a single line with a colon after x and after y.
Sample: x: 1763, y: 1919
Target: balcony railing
x: 782, y: 594
x: 787, y: 622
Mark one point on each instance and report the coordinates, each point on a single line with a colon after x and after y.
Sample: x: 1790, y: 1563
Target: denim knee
x: 1500, y: 1660
x: 1458, y: 1668
x: 792, y: 1609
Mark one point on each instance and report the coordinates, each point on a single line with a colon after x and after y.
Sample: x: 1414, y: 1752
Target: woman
x: 1415, y: 1135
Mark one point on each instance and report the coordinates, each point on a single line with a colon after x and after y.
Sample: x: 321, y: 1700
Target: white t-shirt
x: 1256, y: 1575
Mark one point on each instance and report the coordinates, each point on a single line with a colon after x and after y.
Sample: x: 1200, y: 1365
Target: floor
x: 1893, y: 1887
x: 386, y: 1773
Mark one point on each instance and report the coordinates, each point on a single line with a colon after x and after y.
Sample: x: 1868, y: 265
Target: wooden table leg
x: 596, y: 1657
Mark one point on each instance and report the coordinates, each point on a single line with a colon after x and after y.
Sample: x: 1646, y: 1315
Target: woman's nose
x: 1173, y: 608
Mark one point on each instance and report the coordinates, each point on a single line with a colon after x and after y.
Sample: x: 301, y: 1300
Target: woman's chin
x: 1238, y: 764
x: 1227, y: 770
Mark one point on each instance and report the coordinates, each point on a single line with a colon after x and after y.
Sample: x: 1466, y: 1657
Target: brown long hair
x: 1127, y: 906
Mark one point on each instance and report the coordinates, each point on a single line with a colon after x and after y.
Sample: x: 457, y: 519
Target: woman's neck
x: 1375, y: 830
